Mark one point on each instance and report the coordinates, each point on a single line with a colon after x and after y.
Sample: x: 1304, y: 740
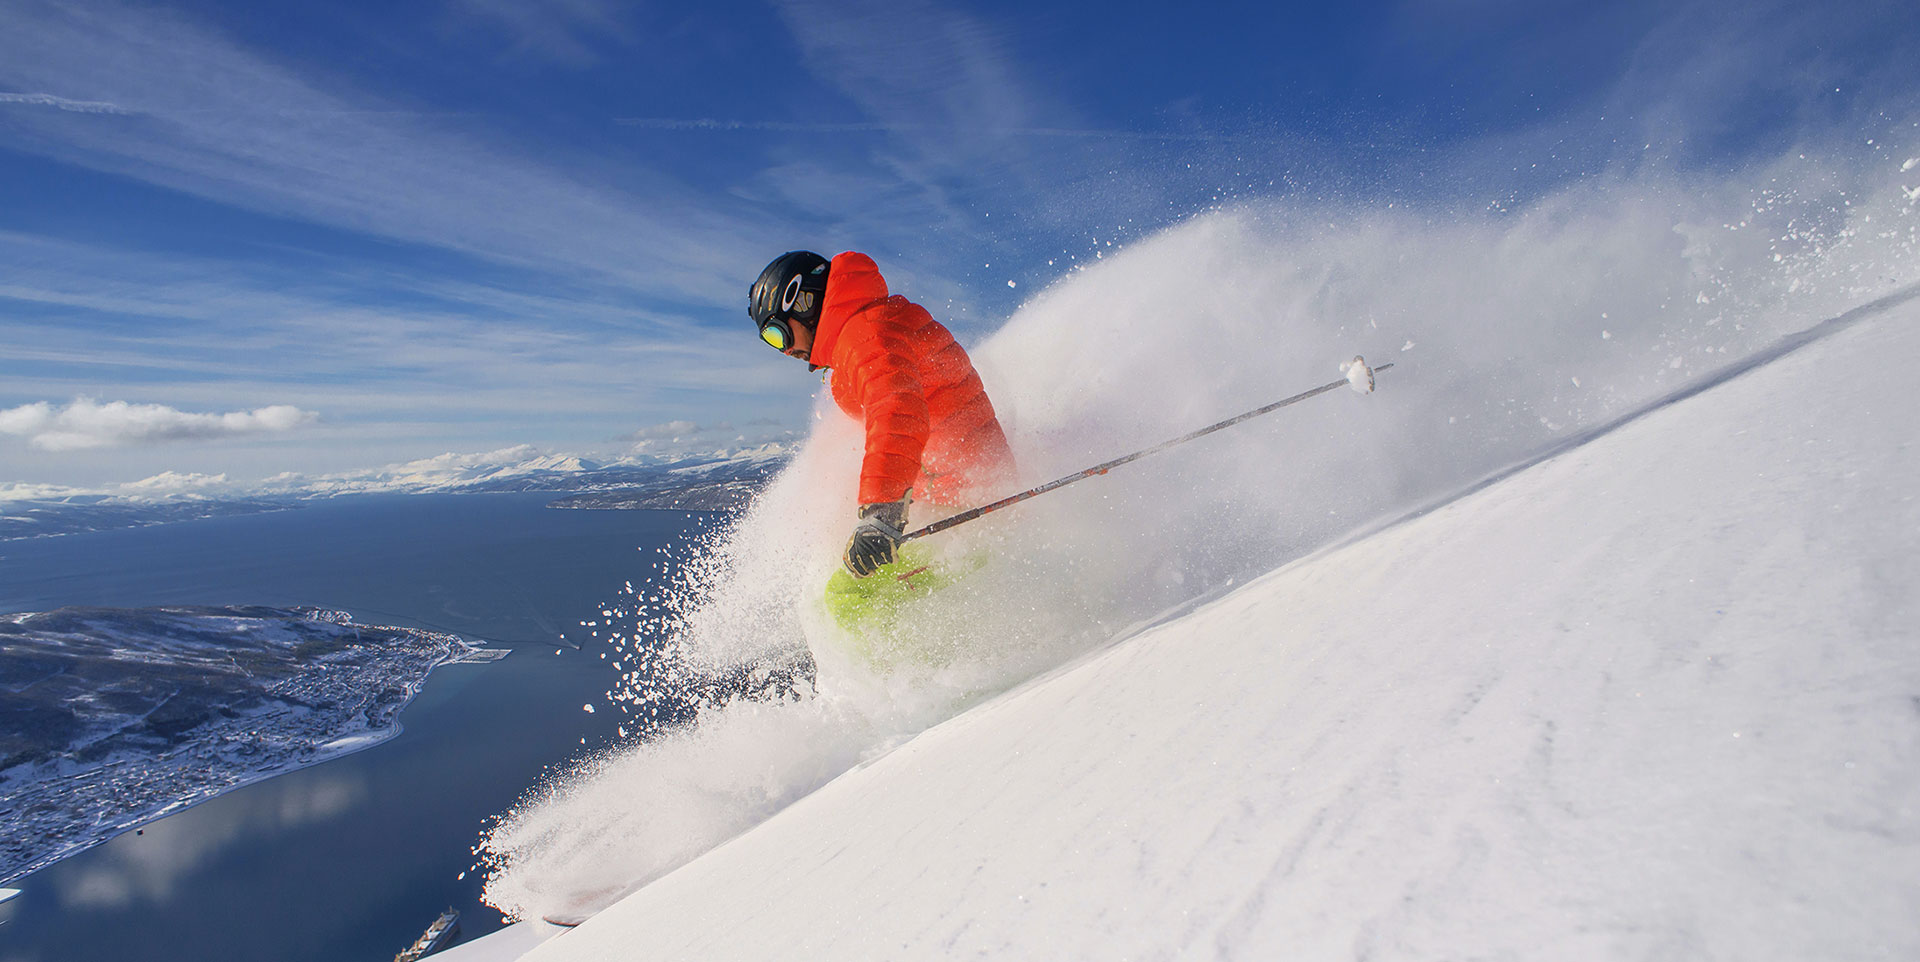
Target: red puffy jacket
x: 929, y: 424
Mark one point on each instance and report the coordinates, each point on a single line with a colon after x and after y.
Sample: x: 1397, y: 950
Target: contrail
x: 62, y: 103
x: 710, y: 124
x: 104, y: 107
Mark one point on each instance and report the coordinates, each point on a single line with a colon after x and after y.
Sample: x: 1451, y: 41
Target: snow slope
x: 1656, y: 696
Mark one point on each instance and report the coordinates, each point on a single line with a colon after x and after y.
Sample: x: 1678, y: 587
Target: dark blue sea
x: 351, y: 859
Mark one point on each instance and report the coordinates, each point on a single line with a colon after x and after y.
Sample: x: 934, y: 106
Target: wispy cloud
x: 682, y: 437
x: 968, y: 132
x: 462, y: 365
x: 760, y: 427
x: 207, y: 116
x: 86, y: 423
x: 84, y: 318
x: 906, y: 61
x: 926, y: 75
x: 570, y: 32
x: 667, y: 430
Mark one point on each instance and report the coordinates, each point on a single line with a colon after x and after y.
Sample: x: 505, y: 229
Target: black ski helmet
x: 790, y: 289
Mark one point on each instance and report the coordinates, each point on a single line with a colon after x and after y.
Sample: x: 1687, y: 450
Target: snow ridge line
x: 1786, y: 345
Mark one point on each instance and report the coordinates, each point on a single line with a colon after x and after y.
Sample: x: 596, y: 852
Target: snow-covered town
x: 135, y: 713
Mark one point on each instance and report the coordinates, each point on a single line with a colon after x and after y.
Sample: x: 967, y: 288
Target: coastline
x: 180, y: 805
x: 499, y: 570
x: 453, y: 650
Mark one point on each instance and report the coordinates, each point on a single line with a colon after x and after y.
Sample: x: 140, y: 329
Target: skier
x: 931, y: 433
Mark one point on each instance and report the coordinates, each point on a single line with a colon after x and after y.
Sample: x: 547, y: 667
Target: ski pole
x: 1359, y: 368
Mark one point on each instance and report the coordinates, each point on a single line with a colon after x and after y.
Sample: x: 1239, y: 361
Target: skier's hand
x: 876, y: 539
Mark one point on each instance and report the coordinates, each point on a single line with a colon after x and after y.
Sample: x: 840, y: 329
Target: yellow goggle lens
x: 775, y: 337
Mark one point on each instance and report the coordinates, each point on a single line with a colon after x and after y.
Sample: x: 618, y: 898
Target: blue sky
x: 260, y: 238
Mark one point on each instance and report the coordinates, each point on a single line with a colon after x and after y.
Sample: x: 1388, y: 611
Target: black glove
x: 876, y: 539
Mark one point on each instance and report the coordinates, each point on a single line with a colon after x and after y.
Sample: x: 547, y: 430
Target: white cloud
x: 87, y: 423
x: 29, y: 491
x: 25, y: 419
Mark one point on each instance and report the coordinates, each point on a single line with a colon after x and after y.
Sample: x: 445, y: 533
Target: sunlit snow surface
x: 1430, y: 740
x: 1651, y: 698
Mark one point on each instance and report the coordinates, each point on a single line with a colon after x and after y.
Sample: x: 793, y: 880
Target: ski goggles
x: 777, y: 334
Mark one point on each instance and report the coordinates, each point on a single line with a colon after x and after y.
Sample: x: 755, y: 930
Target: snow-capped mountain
x: 721, y: 479
x: 522, y: 468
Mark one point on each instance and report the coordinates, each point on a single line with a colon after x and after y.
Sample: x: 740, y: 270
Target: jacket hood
x: 853, y: 282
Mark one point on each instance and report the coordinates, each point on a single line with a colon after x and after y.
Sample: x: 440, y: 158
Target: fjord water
x: 352, y: 858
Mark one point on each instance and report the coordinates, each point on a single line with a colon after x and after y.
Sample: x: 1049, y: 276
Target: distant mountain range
x: 720, y: 481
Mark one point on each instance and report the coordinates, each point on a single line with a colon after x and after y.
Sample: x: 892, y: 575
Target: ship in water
x: 438, y: 936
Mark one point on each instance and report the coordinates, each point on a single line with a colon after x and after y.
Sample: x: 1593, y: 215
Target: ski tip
x: 564, y: 920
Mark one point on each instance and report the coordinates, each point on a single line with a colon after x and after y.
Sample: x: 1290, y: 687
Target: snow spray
x: 1510, y: 326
